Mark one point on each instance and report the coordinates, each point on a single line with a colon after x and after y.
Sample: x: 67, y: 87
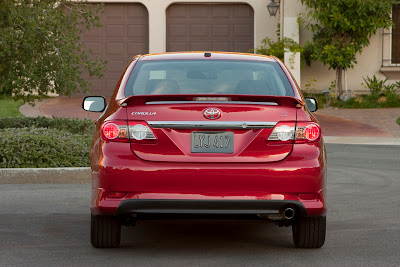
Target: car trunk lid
x: 185, y: 132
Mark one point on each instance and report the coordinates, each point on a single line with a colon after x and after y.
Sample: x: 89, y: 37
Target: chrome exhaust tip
x: 288, y: 213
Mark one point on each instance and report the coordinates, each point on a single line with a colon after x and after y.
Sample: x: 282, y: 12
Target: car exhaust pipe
x: 288, y: 213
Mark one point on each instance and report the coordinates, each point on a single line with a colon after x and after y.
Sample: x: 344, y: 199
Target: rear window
x: 208, y: 77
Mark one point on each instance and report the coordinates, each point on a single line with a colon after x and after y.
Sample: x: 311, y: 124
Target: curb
x: 350, y: 140
x: 81, y: 175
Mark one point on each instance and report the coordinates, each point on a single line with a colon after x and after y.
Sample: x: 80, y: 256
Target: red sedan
x: 207, y: 134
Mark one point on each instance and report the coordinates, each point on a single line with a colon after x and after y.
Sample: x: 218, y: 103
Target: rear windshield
x: 208, y: 77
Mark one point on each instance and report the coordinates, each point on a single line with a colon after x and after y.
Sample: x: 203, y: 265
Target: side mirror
x: 311, y: 103
x: 94, y: 103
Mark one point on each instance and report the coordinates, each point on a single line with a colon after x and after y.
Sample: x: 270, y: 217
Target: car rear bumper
x: 246, y: 188
x: 220, y: 207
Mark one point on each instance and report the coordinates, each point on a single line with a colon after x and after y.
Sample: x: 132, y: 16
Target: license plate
x: 212, y: 142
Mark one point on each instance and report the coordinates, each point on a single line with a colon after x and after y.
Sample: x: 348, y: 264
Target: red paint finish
x: 165, y: 167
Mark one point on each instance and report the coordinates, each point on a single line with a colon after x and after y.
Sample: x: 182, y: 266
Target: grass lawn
x: 9, y: 107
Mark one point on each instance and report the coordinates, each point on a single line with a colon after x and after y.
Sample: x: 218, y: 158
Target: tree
x: 342, y: 28
x: 40, y: 51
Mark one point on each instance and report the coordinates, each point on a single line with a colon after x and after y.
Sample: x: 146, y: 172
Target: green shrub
x: 375, y: 85
x: 74, y: 126
x: 368, y: 101
x: 381, y: 95
x: 45, y: 142
x: 398, y: 120
x: 42, y: 147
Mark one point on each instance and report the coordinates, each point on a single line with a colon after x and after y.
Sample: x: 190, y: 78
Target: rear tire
x: 309, y: 232
x: 105, y: 231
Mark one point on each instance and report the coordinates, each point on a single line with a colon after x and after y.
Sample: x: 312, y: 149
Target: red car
x: 207, y: 134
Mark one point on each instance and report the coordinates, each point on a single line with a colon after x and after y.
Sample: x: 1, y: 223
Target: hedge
x: 45, y: 142
x: 74, y: 126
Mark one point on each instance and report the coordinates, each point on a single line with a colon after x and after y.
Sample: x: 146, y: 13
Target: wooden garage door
x: 210, y: 27
x: 124, y: 34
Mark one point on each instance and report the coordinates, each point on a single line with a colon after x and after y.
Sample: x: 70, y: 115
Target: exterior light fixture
x: 273, y: 8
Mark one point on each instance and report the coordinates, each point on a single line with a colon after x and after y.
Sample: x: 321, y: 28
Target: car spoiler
x: 207, y: 98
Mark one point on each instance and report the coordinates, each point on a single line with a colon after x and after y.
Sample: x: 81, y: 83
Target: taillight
x: 111, y: 130
x: 311, y: 132
x: 123, y: 132
x: 300, y: 132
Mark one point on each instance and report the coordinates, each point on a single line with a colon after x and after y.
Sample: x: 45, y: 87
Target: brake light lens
x: 300, y: 132
x: 111, y: 130
x: 311, y: 132
x: 123, y: 132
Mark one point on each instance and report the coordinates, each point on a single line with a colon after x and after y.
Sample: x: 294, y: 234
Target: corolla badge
x: 143, y: 113
x: 212, y: 113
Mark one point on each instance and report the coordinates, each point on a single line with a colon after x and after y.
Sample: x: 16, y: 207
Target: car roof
x: 201, y: 55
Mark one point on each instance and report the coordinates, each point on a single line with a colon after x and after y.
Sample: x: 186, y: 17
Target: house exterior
x: 132, y: 27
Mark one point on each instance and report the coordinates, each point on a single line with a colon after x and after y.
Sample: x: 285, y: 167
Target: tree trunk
x: 339, y: 82
x: 346, y: 89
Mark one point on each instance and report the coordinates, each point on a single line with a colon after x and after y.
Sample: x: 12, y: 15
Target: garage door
x: 124, y: 34
x: 210, y: 27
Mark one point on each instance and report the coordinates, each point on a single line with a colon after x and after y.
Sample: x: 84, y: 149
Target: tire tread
x: 309, y: 232
x: 105, y: 231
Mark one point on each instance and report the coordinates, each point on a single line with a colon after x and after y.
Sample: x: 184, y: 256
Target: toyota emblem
x: 212, y: 113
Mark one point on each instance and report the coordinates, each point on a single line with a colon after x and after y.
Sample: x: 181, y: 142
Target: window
x: 162, y: 77
x: 391, y: 41
x: 396, y: 35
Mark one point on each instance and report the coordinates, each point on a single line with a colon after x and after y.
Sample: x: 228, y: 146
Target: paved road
x: 49, y: 225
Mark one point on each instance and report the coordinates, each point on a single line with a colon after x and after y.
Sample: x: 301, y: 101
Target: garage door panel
x: 124, y: 34
x: 115, y: 12
x: 199, y: 11
x: 199, y: 30
x: 243, y: 31
x: 178, y: 11
x: 115, y: 49
x: 199, y: 46
x: 115, y: 67
x: 221, y: 46
x: 242, y: 47
x: 221, y: 31
x: 221, y: 12
x: 178, y: 46
x: 137, y: 48
x: 243, y: 11
x: 221, y: 27
x: 136, y: 30
x: 178, y: 30
x: 116, y: 31
x: 136, y: 12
